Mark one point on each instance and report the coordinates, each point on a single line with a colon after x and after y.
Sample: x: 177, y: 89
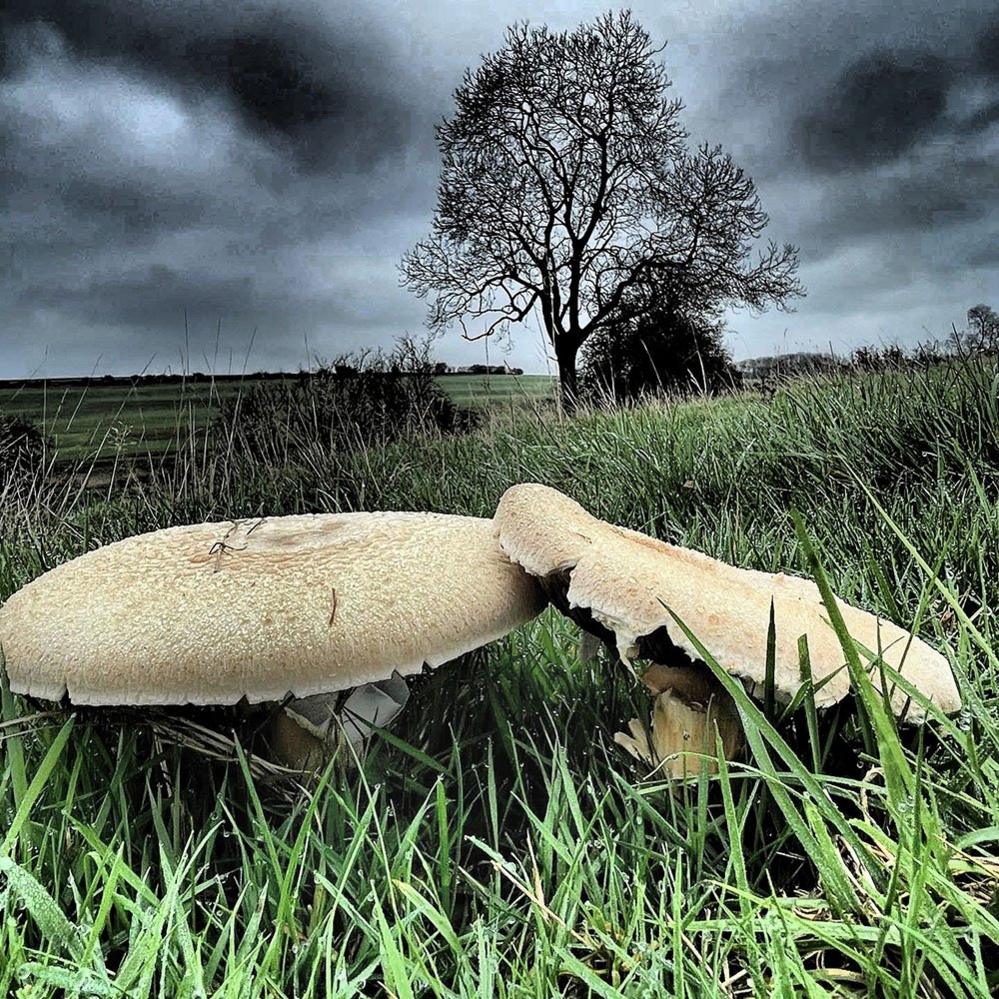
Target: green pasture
x: 87, y: 418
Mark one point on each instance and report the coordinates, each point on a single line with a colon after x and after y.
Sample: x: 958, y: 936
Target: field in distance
x: 83, y: 416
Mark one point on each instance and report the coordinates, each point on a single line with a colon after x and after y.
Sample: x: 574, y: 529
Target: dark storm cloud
x: 982, y: 119
x: 983, y: 250
x: 133, y: 207
x: 266, y: 162
x: 919, y: 202
x: 130, y: 298
x: 898, y: 143
x: 871, y: 130
x: 878, y: 108
x: 302, y: 84
x: 988, y: 49
x: 245, y: 163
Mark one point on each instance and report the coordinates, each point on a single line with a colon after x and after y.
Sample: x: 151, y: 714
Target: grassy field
x: 83, y: 419
x: 497, y: 842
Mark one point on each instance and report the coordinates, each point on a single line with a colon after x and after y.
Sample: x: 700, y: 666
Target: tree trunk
x: 568, y: 383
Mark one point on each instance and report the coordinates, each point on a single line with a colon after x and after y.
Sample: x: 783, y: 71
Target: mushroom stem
x: 295, y: 746
x: 689, y: 708
x: 307, y: 731
x: 589, y: 647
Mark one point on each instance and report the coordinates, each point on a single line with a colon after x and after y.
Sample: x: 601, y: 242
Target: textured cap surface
x: 622, y: 579
x: 210, y: 613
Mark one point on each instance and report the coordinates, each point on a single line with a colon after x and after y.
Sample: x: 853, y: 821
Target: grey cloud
x: 131, y: 298
x: 131, y: 208
x: 877, y: 109
x: 309, y: 87
x: 155, y: 165
x: 983, y: 119
x: 266, y: 164
x: 911, y: 198
x: 134, y: 316
x: 868, y: 122
x: 988, y: 49
x: 898, y: 225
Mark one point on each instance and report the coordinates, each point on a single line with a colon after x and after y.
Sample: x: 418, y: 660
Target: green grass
x: 497, y: 843
x: 499, y: 391
x: 83, y: 419
x: 135, y: 420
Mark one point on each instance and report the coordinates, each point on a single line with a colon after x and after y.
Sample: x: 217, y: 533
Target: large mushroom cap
x: 618, y: 581
x: 212, y: 613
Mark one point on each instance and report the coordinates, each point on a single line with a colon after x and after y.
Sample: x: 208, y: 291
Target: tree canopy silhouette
x: 661, y: 351
x: 567, y: 192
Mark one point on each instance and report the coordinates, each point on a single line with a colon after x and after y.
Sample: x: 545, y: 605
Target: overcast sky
x: 263, y: 165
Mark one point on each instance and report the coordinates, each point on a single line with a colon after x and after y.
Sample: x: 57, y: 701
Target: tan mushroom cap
x: 622, y: 579
x: 212, y: 613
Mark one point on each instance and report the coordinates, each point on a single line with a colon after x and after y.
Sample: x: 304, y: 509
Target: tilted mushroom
x: 300, y: 605
x: 625, y: 587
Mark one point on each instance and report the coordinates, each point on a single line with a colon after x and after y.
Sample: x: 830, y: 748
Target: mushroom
x: 625, y: 587
x: 300, y: 606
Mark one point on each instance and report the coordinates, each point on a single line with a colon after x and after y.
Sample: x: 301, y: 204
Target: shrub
x: 661, y: 353
x: 355, y: 402
x: 22, y: 451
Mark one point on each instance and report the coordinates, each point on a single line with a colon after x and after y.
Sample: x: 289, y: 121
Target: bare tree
x: 983, y: 327
x: 567, y: 191
x: 981, y: 335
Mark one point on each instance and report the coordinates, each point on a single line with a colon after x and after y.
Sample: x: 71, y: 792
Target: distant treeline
x: 112, y: 381
x: 787, y: 366
x: 201, y: 378
x: 476, y: 369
